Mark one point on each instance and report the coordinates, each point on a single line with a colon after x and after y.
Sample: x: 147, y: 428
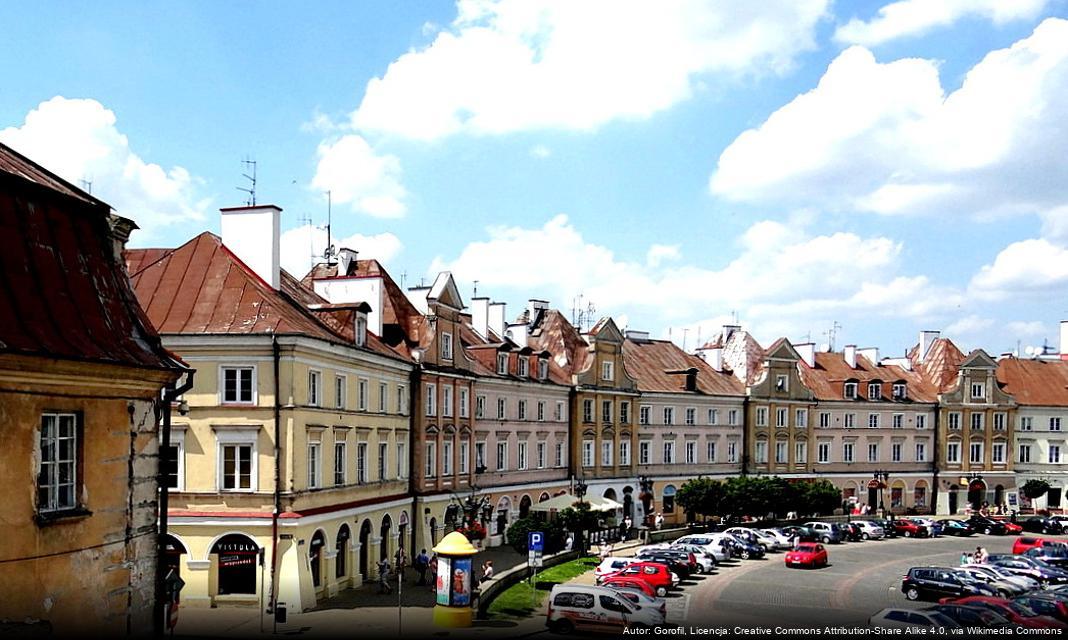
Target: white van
x: 710, y: 542
x: 580, y: 607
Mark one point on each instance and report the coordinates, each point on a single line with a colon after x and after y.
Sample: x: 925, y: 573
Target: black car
x: 887, y: 527
x: 940, y: 582
x: 851, y: 532
x: 740, y: 548
x: 967, y: 616
x: 1039, y: 524
x: 679, y: 554
x: 1054, y: 554
x: 1045, y: 573
x: 982, y: 524
x: 802, y: 534
x: 673, y: 563
x: 956, y: 528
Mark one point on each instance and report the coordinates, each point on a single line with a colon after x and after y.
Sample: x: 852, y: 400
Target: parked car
x: 742, y: 548
x: 869, y: 530
x: 630, y: 583
x: 1044, y: 603
x: 933, y: 527
x: 910, y: 529
x: 1013, y: 611
x: 782, y: 541
x: 940, y: 582
x: 712, y: 543
x: 673, y: 563
x: 801, y: 534
x: 655, y: 573
x: 1012, y: 584
x: 1027, y: 582
x: 641, y: 598
x: 851, y: 532
x: 760, y: 538
x: 1056, y: 555
x: 706, y: 560
x: 970, y: 616
x: 1040, y: 524
x: 1046, y: 574
x: 958, y: 528
x: 589, y: 608
x: 1001, y: 587
x: 887, y: 525
x: 909, y: 618
x: 1023, y: 543
x: 828, y: 532
x: 610, y: 565
x: 807, y: 554
x: 985, y: 525
x: 675, y: 553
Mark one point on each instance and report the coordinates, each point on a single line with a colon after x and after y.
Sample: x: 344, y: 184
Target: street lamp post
x: 883, y: 478
x: 580, y: 493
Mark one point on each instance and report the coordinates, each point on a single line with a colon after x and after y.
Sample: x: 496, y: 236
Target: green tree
x: 1035, y: 488
x: 701, y: 496
x: 553, y: 530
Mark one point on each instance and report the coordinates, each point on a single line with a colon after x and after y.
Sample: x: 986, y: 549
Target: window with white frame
x: 691, y: 416
x: 361, y: 330
x: 800, y: 452
x: 873, y: 420
x: 850, y: 420
x: 823, y: 452
x: 975, y: 453
x: 431, y: 460
x: 710, y: 450
x: 502, y: 408
x: 608, y: 371
x: 643, y: 451
x: 446, y: 458
x: 732, y: 417
x: 624, y: 413
x: 480, y: 454
x: 1026, y: 423
x: 999, y: 421
x: 521, y: 455
x: 669, y: 415
x: 897, y: 421
x: 606, y: 453
x: 558, y: 454
x: 895, y: 452
x: 383, y: 397
x: 587, y: 410
x: 524, y: 367
x: 850, y: 390
x: 431, y: 400
x: 239, y: 385
x: 1055, y: 454
x: 361, y: 463
x: 58, y: 475
x: 782, y: 383
x: 997, y: 453
x: 643, y: 414
x: 172, y: 465
x: 954, y: 420
x: 873, y: 452
x: 465, y: 456
x: 977, y: 422
x: 691, y: 452
x: 1054, y: 424
x: 361, y: 394
x: 978, y: 390
x: 502, y: 364
x: 780, y: 453
x: 558, y: 414
x: 502, y: 456
x: 340, y: 383
x: 761, y: 452
x: 847, y: 452
x: 339, y: 464
x: 761, y: 416
x: 238, y: 464
x: 480, y: 406
x: 732, y: 451
x: 402, y: 399
x: 921, y: 421
x: 587, y: 453
x: 1025, y: 454
x: 825, y: 419
x: 606, y: 410
x: 953, y: 452
x: 314, y: 465
x: 624, y: 453
x: 801, y: 418
x: 542, y: 446
x: 669, y: 452
x: 464, y: 403
x: 921, y: 452
x: 446, y: 400
x: 383, y: 461
x: 446, y: 346
x: 543, y: 369
x: 315, y: 387
x: 780, y: 417
x: 875, y: 391
x: 900, y: 391
x: 402, y: 460
x: 713, y: 416
x: 541, y: 411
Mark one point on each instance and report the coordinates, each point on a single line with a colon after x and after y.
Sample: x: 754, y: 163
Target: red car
x: 1023, y: 543
x: 1012, y: 529
x: 631, y: 583
x: 657, y: 575
x: 807, y: 554
x: 910, y: 529
x: 1014, y: 612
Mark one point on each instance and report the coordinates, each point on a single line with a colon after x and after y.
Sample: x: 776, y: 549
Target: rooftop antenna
x: 251, y: 190
x: 305, y: 220
x: 831, y: 334
x: 404, y: 277
x: 685, y: 332
x: 87, y: 185
x: 329, y: 252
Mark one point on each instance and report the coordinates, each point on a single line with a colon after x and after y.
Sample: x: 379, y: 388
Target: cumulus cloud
x: 658, y: 253
x: 533, y: 64
x: 79, y: 140
x: 1027, y: 266
x: 886, y: 138
x: 357, y: 175
x: 302, y: 247
x: 917, y: 17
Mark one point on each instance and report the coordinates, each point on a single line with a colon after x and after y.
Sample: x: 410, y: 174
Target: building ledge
x: 66, y: 516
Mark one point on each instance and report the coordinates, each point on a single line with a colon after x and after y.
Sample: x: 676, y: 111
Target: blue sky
x: 890, y: 166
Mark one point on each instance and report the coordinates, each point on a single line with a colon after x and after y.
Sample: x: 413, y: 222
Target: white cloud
x: 887, y: 138
x: 540, y: 151
x: 658, y: 253
x: 303, y: 246
x: 969, y: 326
x: 356, y: 175
x: 78, y: 139
x: 1026, y: 329
x: 523, y: 64
x: 916, y: 17
x: 1026, y: 266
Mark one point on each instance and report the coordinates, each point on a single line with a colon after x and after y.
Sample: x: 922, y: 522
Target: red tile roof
x: 941, y: 365
x: 63, y: 292
x: 827, y: 379
x: 1035, y: 382
x: 650, y: 361
x: 553, y: 333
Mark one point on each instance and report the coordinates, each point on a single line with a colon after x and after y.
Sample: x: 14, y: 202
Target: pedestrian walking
x: 383, y: 577
x: 434, y: 572
x: 659, y: 520
x: 627, y: 524
x: 422, y: 563
x: 570, y: 542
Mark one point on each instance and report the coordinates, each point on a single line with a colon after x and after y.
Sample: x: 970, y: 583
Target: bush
x: 555, y: 535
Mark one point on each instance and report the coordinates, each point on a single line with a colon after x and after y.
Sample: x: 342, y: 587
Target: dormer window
x: 361, y: 330
x: 502, y: 363
x: 608, y: 371
x: 446, y: 346
x: 543, y: 369
x: 850, y: 391
x: 782, y: 383
x: 978, y: 390
x: 524, y: 368
x: 900, y: 391
x: 875, y: 391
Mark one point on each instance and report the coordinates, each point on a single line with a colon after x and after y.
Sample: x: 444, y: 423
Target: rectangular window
x: 239, y: 385
x: 314, y: 465
x: 383, y: 397
x: 522, y: 409
x: 850, y: 391
x: 624, y: 413
x: 643, y: 414
x: 780, y: 452
x: 502, y: 408
x: 761, y: 453
x: 383, y: 460
x: 900, y: 391
x: 57, y: 475
x: 446, y: 346
x: 825, y: 419
x: 1054, y: 424
x: 954, y: 420
x: 975, y: 453
x: 402, y: 399
x: 669, y: 452
x: 502, y: 456
x: 782, y: 383
x: 895, y: 452
x: 587, y: 453
x: 465, y: 457
x: 919, y: 496
x: 921, y: 452
x: 847, y: 452
x: 543, y: 369
x: 643, y: 452
x: 953, y: 452
x: 873, y: 420
x: 897, y: 421
x: 1026, y: 423
x: 361, y: 462
x: 780, y: 417
x: 1054, y: 454
x: 480, y: 456
x: 713, y: 416
x: 237, y: 467
x: 446, y: 400
x: 606, y: 410
x: 999, y: 422
x: 339, y: 464
x: 691, y: 452
x: 524, y: 368
x: 558, y: 456
x: 801, y: 418
x: 587, y: 410
x: 732, y: 417
x: 340, y: 382
x: 850, y: 420
x: 800, y: 453
x: 1025, y: 453
x: 669, y: 415
x: 977, y: 422
x: 431, y: 462
x: 873, y: 452
x: 823, y: 452
x: 711, y: 450
x: 541, y: 455
x: 431, y: 400
x: 541, y: 411
x: 624, y: 453
x: 361, y: 394
x: 691, y: 416
x: 607, y: 371
x: 921, y: 421
x: 732, y: 451
x: 464, y: 404
x: 402, y: 460
x: 173, y: 464
x: 446, y: 458
x: 875, y: 391
x: 761, y: 416
x: 606, y: 453
x: 480, y: 406
x: 978, y: 390
x: 997, y: 453
x: 502, y: 364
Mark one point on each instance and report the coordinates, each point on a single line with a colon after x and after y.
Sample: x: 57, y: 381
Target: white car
x: 1024, y: 582
x: 782, y: 541
x: 870, y: 530
x: 710, y: 542
x: 762, y: 539
x: 910, y: 618
x: 610, y: 565
x: 573, y: 606
x: 706, y: 560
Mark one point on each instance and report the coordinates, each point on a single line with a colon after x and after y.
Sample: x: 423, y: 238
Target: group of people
x: 980, y: 556
x: 422, y: 565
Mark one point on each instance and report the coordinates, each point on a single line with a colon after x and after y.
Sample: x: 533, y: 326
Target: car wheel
x: 913, y: 593
x: 864, y: 536
x: 563, y: 626
x: 745, y: 555
x: 764, y: 547
x: 826, y: 539
x: 987, y: 531
x: 661, y: 592
x: 908, y: 534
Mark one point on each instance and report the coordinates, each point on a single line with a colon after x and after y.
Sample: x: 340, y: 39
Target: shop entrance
x: 237, y: 559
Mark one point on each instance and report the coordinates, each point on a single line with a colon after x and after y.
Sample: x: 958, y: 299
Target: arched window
x: 342, y: 548
x: 315, y: 557
x: 669, y: 499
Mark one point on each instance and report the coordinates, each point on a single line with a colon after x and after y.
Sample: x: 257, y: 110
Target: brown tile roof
x: 63, y: 292
x: 941, y: 366
x: 559, y: 337
x: 828, y: 377
x: 483, y: 356
x: 1035, y: 382
x: 650, y: 361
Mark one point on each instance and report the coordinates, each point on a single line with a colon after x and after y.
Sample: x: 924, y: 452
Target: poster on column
x: 461, y: 582
x: 443, y: 584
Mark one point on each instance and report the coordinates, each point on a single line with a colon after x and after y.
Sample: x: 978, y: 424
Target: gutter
x: 276, y: 512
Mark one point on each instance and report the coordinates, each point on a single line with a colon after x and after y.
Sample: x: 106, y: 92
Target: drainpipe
x: 170, y: 394
x: 414, y: 393
x: 934, y: 460
x: 746, y: 427
x: 276, y: 357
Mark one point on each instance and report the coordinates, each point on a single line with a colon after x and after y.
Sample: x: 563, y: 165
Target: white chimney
x: 714, y: 357
x: 927, y: 338
x: 496, y: 318
x: 533, y: 306
x: 517, y: 333
x: 1064, y: 339
x: 728, y: 331
x: 871, y: 353
x: 480, y: 316
x: 807, y: 351
x: 252, y: 234
x: 850, y: 355
x: 346, y: 259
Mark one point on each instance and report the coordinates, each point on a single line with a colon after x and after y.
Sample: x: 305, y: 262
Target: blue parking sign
x: 535, y: 541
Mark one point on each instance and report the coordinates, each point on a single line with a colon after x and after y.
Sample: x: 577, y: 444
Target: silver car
x: 870, y: 530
